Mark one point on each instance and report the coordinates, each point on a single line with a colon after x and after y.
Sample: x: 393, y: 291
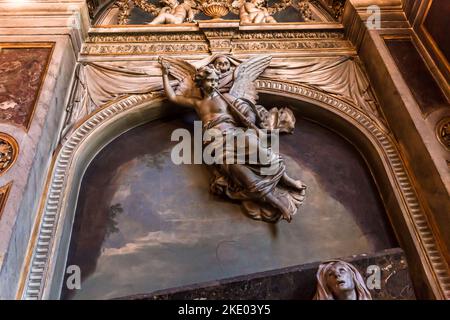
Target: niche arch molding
x: 43, y: 272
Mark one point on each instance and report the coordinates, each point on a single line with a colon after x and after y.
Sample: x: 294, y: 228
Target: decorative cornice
x: 213, y: 40
x: 144, y: 48
x: 414, y: 217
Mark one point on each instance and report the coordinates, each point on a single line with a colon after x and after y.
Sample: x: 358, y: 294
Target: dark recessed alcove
x: 144, y: 224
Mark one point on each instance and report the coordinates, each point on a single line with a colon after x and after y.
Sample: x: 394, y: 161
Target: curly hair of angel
x: 203, y: 73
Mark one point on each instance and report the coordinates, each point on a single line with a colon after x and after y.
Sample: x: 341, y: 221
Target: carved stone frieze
x: 143, y: 48
x: 148, y: 37
x: 287, y: 35
x: 213, y: 40
x: 289, y: 45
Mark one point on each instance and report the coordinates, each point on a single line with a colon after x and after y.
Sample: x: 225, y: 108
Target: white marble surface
x: 39, y: 21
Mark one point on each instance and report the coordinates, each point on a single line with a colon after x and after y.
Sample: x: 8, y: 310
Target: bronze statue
x: 339, y: 280
x: 266, y: 197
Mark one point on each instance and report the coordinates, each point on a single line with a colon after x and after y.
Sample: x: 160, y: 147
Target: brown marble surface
x: 416, y: 74
x: 22, y: 71
x: 144, y: 224
x: 299, y: 282
x: 437, y: 25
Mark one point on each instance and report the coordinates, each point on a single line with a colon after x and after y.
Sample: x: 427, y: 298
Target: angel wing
x: 246, y: 74
x: 184, y: 72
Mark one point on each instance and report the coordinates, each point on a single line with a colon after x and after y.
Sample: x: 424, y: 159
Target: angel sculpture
x: 175, y: 12
x: 264, y: 196
x: 282, y: 119
x: 254, y: 11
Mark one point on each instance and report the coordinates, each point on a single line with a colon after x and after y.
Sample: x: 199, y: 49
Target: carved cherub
x: 253, y: 11
x: 175, y: 12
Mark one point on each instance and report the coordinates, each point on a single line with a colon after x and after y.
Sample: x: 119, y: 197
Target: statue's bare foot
x: 291, y: 183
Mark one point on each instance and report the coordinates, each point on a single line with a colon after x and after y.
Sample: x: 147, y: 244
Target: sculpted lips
x: 340, y: 282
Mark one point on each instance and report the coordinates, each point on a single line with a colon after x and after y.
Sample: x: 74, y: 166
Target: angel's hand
x: 165, y: 66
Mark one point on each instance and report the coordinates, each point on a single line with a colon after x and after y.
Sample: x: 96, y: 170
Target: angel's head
x: 170, y: 3
x: 339, y: 280
x: 207, y: 79
x: 222, y: 64
x: 259, y: 3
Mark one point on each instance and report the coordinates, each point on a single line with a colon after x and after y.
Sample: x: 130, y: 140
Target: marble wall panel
x: 23, y: 68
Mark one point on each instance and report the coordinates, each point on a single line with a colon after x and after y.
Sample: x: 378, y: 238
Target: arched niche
x: 45, y: 270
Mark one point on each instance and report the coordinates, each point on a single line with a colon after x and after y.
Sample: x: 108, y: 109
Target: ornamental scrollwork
x: 8, y: 152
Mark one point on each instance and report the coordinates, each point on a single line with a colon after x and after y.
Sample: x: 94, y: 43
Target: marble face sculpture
x: 174, y: 13
x: 222, y: 64
x: 339, y: 280
x: 254, y: 11
x: 265, y: 196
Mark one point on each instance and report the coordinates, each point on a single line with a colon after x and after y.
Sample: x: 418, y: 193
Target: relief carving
x: 254, y: 11
x: 443, y: 132
x: 174, y: 12
x: 8, y: 152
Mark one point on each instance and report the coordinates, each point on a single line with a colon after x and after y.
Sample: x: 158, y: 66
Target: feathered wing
x: 246, y: 74
x: 184, y: 72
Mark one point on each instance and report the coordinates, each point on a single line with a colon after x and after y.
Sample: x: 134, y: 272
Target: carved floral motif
x: 443, y: 132
x: 8, y: 152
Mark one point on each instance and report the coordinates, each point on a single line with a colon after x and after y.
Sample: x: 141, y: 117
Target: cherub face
x: 339, y: 279
x: 210, y: 83
x: 170, y: 3
x: 222, y: 64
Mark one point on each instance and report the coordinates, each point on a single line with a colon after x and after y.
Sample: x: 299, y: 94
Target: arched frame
x: 43, y: 273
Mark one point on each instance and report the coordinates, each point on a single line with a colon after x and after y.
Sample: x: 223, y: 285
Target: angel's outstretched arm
x: 171, y: 95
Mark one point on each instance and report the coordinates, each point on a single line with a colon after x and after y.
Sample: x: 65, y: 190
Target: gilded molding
x: 443, y: 132
x: 4, y: 193
x: 144, y: 48
x: 212, y: 40
x: 9, y: 150
x: 425, y: 242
